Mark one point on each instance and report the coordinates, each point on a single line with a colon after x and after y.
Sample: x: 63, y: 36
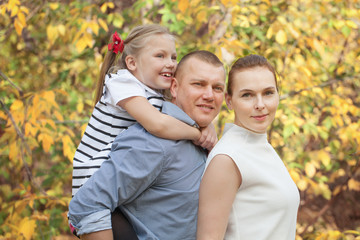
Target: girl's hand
x: 208, y: 137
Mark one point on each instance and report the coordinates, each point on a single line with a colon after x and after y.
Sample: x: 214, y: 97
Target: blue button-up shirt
x: 155, y: 182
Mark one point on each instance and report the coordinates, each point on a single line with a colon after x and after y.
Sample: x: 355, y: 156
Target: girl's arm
x: 157, y: 123
x: 218, y: 188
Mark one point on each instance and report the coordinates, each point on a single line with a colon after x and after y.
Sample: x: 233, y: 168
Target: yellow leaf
x: 351, y: 24
x: 54, y: 6
x: 103, y: 24
x: 17, y: 105
x: 294, y: 175
x: 22, y: 19
x: 18, y: 26
x: 324, y: 157
x: 2, y: 10
x: 82, y: 44
x: 201, y: 16
x: 323, y: 189
x: 302, y: 185
x: 30, y: 130
x: 61, y: 29
x: 269, y: 33
x: 51, y: 123
x: 46, y: 140
x: 80, y: 106
x: 110, y: 5
x: 183, y: 5
x: 310, y: 169
x: 24, y: 9
x: 68, y: 147
x: 49, y: 96
x: 103, y: 7
x: 58, y: 116
x: 94, y: 27
x: 13, y: 150
x: 293, y: 31
x: 354, y: 185
x: 281, y: 37
x: 52, y: 33
x: 319, y: 47
x: 306, y: 71
x: 14, y: 11
x: 3, y: 115
x: 27, y: 227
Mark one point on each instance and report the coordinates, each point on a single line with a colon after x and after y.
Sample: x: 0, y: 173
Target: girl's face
x: 254, y: 99
x: 156, y: 63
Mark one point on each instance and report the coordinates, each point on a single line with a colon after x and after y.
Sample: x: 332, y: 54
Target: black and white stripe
x: 105, y: 124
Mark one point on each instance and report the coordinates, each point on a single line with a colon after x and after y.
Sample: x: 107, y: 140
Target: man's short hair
x: 201, y: 55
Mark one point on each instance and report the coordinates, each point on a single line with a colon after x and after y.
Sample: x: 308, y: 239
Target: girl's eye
x: 174, y: 57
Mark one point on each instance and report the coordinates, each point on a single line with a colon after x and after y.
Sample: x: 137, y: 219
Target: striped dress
x: 106, y: 122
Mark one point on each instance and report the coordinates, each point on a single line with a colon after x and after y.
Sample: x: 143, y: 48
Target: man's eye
x: 219, y: 89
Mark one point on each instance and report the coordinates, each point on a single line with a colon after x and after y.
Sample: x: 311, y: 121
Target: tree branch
x: 27, y: 148
x: 12, y: 83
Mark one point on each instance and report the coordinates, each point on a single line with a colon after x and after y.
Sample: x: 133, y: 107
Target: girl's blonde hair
x: 133, y: 44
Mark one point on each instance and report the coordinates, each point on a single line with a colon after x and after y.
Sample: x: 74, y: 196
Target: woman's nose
x: 259, y: 104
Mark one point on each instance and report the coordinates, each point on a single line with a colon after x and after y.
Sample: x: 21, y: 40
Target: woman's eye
x: 269, y: 93
x: 160, y: 55
x: 246, y: 95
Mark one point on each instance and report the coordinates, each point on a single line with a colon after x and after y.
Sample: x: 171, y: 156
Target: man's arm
x: 134, y: 163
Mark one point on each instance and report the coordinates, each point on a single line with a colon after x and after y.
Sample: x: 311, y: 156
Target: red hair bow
x: 117, y: 44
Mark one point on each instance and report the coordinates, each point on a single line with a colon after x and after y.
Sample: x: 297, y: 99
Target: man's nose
x: 208, y: 93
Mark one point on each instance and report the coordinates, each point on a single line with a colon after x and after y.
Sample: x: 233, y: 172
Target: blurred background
x: 50, y: 56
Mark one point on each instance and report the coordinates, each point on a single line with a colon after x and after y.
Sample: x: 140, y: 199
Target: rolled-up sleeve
x: 135, y: 161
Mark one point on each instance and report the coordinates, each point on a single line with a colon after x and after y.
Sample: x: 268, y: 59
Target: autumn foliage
x: 50, y: 54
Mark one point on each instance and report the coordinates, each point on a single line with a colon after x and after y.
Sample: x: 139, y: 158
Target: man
x: 155, y: 181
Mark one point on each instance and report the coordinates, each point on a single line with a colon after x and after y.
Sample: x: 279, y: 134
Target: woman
x: 246, y: 191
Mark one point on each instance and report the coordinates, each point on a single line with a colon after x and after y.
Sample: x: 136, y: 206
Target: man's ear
x: 174, y: 87
x: 228, y: 101
x: 130, y: 62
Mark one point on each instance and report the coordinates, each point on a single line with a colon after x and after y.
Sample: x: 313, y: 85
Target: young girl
x: 133, y: 93
x: 246, y: 191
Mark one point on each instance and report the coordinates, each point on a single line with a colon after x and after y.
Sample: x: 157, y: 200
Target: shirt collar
x: 174, y: 111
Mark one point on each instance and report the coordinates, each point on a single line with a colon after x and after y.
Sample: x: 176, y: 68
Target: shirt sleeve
x: 134, y: 163
x: 120, y: 87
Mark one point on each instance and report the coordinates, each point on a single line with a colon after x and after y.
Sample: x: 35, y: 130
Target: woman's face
x: 254, y: 99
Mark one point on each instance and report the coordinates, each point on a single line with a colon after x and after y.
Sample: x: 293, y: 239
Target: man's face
x: 199, y: 90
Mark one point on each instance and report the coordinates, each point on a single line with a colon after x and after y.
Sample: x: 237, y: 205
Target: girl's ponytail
x: 115, y: 46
